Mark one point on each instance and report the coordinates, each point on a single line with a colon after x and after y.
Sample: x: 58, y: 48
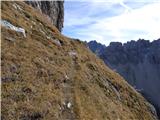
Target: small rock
x: 13, y: 68
x: 72, y: 53
x: 116, y: 92
x: 8, y: 79
x: 17, y: 7
x: 69, y: 105
x: 34, y: 23
x: 66, y: 77
x: 57, y: 42
x: 42, y: 32
x: 153, y: 110
x: 12, y: 27
x: 10, y: 39
x: 48, y: 37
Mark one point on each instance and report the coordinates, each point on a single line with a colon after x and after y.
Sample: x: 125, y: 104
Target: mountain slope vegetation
x: 48, y: 76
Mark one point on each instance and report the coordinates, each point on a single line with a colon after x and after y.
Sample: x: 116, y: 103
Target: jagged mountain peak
x: 138, y: 62
x: 46, y: 75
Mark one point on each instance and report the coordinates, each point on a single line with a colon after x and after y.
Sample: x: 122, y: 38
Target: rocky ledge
x: 53, y: 9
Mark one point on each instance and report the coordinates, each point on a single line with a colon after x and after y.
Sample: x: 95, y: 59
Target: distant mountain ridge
x: 137, y: 61
x: 48, y: 76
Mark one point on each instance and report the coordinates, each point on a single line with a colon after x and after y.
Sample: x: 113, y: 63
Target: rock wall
x: 138, y: 62
x: 46, y: 76
x: 54, y: 9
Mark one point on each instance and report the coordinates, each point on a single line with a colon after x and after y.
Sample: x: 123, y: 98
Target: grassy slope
x: 33, y: 69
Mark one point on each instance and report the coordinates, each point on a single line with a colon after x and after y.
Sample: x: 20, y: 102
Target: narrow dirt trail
x: 68, y: 101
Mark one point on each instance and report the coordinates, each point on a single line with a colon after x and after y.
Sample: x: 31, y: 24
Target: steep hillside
x: 138, y: 62
x: 48, y: 76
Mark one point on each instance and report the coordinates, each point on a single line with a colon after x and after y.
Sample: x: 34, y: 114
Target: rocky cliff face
x: 47, y: 76
x: 138, y: 62
x: 97, y: 48
x: 54, y: 9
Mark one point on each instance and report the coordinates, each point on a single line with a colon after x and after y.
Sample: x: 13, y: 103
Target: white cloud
x: 143, y: 22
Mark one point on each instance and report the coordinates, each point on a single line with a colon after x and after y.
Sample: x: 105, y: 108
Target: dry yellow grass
x: 34, y: 69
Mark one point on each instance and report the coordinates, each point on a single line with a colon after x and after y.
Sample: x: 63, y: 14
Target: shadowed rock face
x: 54, y: 9
x: 96, y: 47
x: 48, y: 76
x: 138, y: 62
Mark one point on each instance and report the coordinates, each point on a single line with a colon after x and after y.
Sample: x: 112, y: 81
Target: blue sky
x: 112, y: 20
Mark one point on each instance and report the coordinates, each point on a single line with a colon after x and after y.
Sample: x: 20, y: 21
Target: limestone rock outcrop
x: 54, y: 9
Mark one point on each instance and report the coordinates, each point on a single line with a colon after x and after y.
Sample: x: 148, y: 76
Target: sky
x: 112, y: 20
